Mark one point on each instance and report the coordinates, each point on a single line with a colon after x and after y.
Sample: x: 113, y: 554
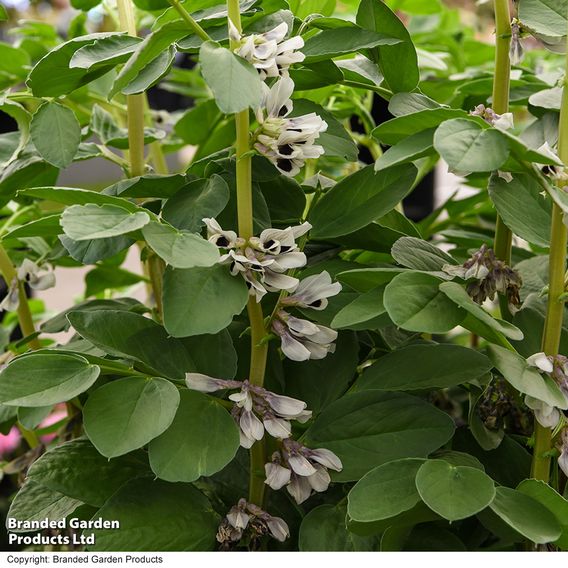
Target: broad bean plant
x: 312, y: 369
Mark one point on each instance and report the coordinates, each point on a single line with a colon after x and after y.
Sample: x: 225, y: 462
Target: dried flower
x: 287, y: 142
x: 262, y: 260
x: 268, y: 52
x: 491, y: 276
x: 256, y: 409
x: 301, y: 339
x: 249, y: 519
x: 300, y: 469
x: 563, y: 458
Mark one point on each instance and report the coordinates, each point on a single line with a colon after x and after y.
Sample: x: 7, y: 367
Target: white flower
x: 313, y: 291
x: 37, y: 278
x: 547, y: 416
x: 269, y: 52
x: 278, y: 528
x: 12, y: 300
x: 541, y: 361
x: 287, y: 142
x: 302, y: 340
x: 203, y: 383
x: 261, y: 261
x: 516, y: 51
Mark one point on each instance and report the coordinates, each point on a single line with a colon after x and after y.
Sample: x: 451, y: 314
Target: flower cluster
x: 563, y: 458
x: 262, y: 260
x: 256, y: 409
x: 249, y: 518
x: 501, y: 121
x: 490, y: 275
x: 269, y: 53
x: 300, y: 469
x: 30, y: 273
x: 556, y: 367
x: 286, y: 141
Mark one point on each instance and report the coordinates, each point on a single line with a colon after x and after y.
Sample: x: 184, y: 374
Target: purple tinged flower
x: 302, y: 340
x: 300, y: 469
x: 541, y: 361
x: 563, y: 458
x: 204, y: 383
x: 277, y: 427
x: 278, y: 528
x: 276, y: 475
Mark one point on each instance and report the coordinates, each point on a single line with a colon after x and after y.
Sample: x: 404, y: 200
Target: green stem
x: 259, y: 348
x: 501, y: 87
x: 555, y: 308
x: 186, y: 17
x: 382, y: 92
x: 24, y: 314
x: 134, y: 103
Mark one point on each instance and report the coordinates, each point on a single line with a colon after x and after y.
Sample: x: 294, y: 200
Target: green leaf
x: 90, y: 252
x: 526, y: 515
x: 45, y: 227
x: 52, y: 76
x: 30, y: 418
x: 126, y: 334
x: 367, y: 429
x: 22, y: 118
x: 365, y: 312
x: 36, y: 502
x: 323, y: 530
x: 441, y: 366
x: 69, y: 468
x: 454, y: 492
x: 522, y: 207
x: 202, y: 439
x: 180, y: 249
x: 524, y: 378
x: 416, y: 146
x: 340, y: 41
x: 385, y: 491
x: 3, y: 13
x: 235, y: 83
x: 56, y: 133
x: 198, y: 199
x: 215, y: 298
x: 151, y: 73
x: 420, y: 255
x: 104, y: 278
x: 547, y: 17
x: 77, y: 196
x: 109, y: 50
x: 40, y: 379
x: 375, y: 15
x: 88, y: 222
x: 155, y: 515
x: 336, y: 141
x: 468, y: 147
x: 124, y: 415
x: 398, y: 129
x: 147, y: 51
x: 553, y: 501
x: 320, y: 382
x: 367, y: 279
x: 359, y: 199
x: 150, y: 185
x: 458, y: 295
x: 415, y: 303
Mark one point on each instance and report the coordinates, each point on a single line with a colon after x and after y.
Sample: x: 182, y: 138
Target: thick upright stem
x: 134, y: 103
x: 555, y: 308
x: 501, y: 86
x: 24, y: 314
x: 259, y: 348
